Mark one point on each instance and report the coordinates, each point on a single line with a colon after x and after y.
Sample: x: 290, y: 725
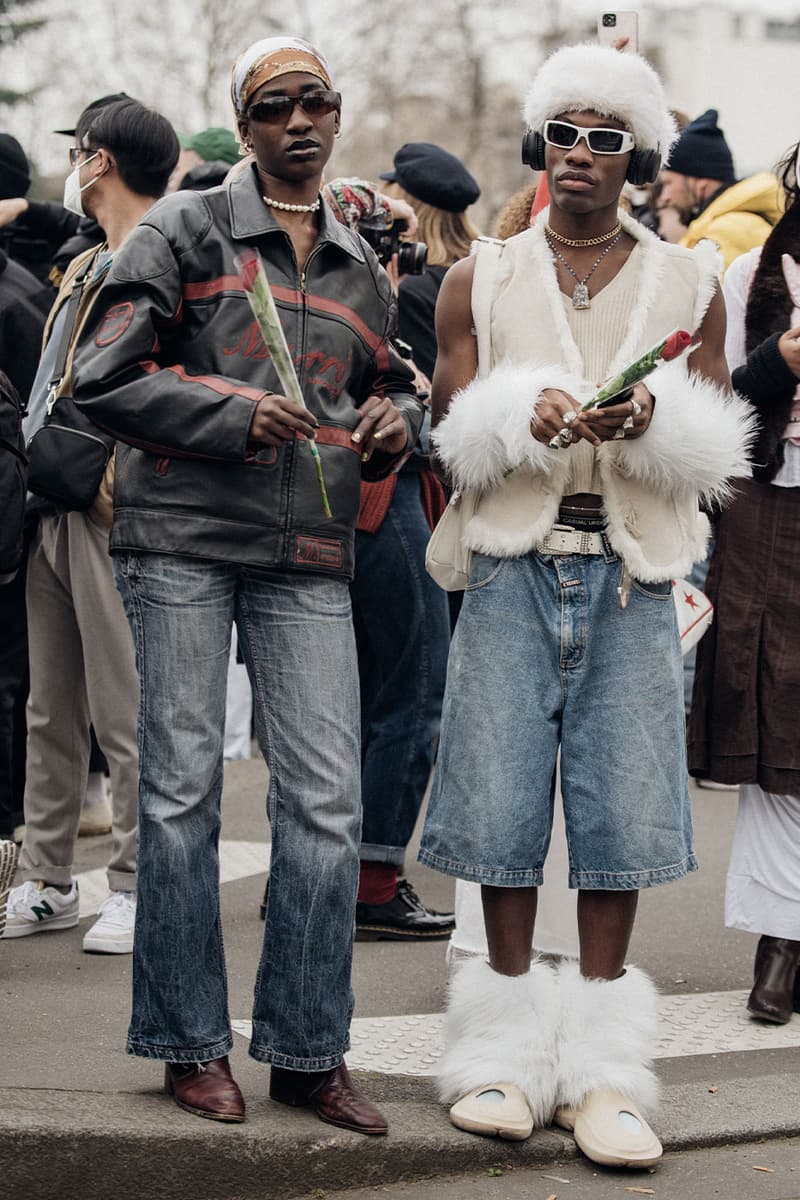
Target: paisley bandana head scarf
x: 269, y: 58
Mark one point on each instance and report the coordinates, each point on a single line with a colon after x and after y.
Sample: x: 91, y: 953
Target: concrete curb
x: 59, y: 1145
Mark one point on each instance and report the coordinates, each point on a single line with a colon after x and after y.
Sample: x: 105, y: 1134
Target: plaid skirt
x: 743, y: 726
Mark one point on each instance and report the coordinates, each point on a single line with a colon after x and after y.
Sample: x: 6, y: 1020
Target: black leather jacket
x: 171, y: 362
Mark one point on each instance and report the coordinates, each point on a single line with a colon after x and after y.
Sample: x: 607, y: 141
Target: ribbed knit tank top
x: 598, y: 332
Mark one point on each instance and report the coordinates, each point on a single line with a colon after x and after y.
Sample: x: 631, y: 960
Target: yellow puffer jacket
x: 739, y: 218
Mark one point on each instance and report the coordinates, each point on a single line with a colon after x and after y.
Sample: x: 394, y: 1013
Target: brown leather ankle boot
x: 332, y: 1095
x: 776, y: 990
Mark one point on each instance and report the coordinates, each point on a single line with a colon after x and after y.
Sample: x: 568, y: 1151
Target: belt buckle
x: 556, y: 539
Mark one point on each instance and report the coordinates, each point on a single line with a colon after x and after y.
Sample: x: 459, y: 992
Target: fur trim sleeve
x: 486, y: 432
x: 698, y: 440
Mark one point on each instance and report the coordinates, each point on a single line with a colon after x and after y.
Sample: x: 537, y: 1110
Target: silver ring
x: 570, y: 417
x: 628, y: 423
x: 635, y: 408
x: 565, y: 436
x: 619, y: 433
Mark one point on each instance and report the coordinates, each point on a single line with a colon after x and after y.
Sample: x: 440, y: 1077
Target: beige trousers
x: 83, y: 671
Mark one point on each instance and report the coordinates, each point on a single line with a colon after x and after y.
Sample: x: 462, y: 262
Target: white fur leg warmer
x: 501, y: 1029
x: 487, y: 428
x: 606, y: 1036
x: 697, y: 441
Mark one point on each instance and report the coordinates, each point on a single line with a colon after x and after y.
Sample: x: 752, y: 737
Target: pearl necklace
x: 594, y: 241
x: 306, y: 208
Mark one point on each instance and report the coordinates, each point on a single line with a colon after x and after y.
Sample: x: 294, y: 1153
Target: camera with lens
x: 411, y: 256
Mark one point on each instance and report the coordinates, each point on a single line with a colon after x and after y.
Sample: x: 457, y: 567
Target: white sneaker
x: 32, y: 907
x: 95, y: 818
x: 8, y: 865
x: 112, y: 932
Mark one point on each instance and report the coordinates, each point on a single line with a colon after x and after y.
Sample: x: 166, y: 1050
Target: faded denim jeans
x: 402, y: 628
x: 544, y: 659
x: 297, y: 638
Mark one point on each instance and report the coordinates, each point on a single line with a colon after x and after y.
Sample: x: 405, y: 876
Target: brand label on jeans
x: 319, y: 552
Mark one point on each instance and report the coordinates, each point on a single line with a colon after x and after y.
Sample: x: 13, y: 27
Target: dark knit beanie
x: 15, y: 176
x: 702, y: 152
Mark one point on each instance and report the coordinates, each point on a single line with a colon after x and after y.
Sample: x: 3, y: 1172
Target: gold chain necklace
x: 580, y: 294
x: 578, y: 242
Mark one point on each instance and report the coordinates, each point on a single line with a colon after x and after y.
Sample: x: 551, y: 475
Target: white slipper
x: 610, y: 1130
x: 497, y: 1110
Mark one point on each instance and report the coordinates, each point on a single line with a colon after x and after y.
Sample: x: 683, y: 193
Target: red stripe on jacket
x: 232, y: 283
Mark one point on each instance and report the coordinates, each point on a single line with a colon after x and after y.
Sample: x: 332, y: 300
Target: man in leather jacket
x: 219, y: 518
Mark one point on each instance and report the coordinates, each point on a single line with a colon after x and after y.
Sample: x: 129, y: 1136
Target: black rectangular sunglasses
x: 273, y: 109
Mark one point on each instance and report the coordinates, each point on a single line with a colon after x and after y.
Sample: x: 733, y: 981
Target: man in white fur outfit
x: 567, y: 638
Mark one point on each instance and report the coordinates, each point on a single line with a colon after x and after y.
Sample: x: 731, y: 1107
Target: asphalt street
x: 761, y: 1171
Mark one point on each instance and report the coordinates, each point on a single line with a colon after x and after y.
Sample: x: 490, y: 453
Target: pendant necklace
x: 580, y: 294
x: 309, y: 208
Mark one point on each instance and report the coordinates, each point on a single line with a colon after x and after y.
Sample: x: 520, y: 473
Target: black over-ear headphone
x: 643, y: 167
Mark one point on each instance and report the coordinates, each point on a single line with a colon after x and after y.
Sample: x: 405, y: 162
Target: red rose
x: 248, y: 265
x: 675, y: 344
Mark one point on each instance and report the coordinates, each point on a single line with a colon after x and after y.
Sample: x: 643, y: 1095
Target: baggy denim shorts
x: 544, y: 659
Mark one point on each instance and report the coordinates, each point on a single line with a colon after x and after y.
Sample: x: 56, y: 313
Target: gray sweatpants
x: 83, y: 670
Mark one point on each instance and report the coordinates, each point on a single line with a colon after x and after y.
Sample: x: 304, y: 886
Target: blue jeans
x: 297, y: 638
x: 403, y: 636
x: 543, y: 658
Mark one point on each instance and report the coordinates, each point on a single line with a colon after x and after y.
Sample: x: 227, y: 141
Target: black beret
x: 434, y: 176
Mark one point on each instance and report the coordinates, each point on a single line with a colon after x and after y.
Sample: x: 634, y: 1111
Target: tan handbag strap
x: 484, y: 282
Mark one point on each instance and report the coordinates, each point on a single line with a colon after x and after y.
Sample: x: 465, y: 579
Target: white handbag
x: 447, y: 559
x: 694, y: 611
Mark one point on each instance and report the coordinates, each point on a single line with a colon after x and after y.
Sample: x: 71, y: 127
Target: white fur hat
x: 590, y: 78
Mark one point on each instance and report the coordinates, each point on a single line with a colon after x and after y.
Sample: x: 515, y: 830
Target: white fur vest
x: 694, y: 446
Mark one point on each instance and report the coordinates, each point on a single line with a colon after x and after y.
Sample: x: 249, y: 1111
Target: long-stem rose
x: 257, y: 289
x: 669, y: 348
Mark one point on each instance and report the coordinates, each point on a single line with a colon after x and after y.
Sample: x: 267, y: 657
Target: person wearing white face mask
x: 73, y: 191
x: 82, y: 666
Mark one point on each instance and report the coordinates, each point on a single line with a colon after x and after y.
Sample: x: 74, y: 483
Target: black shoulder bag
x: 68, y: 454
x: 13, y: 474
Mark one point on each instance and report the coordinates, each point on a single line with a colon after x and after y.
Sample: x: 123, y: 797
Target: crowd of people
x: 201, y: 463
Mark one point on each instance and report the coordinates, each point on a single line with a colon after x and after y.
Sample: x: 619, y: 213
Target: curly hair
x: 516, y: 214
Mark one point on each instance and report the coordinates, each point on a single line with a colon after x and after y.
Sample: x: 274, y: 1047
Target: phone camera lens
x: 609, y: 19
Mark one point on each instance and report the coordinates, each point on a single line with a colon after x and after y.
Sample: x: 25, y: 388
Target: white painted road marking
x: 237, y: 860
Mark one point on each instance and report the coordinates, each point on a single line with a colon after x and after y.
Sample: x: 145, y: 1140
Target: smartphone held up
x: 620, y: 30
